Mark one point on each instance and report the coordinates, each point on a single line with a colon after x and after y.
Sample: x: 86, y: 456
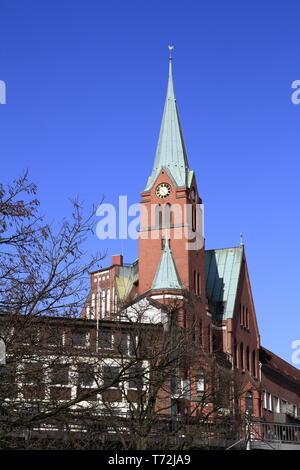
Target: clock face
x: 163, y: 190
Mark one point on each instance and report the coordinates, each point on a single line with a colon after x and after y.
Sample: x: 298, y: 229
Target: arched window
x: 108, y: 300
x: 195, y: 282
x: 198, y: 284
x: 235, y: 353
x: 158, y: 216
x: 93, y: 306
x: 247, y: 317
x: 209, y: 338
x: 241, y: 356
x: 200, y: 331
x: 98, y: 305
x: 247, y: 359
x: 194, y: 218
x: 169, y: 219
x: 254, y: 363
x: 103, y: 302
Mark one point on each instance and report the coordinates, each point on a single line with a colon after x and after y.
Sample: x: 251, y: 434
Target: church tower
x: 171, y: 245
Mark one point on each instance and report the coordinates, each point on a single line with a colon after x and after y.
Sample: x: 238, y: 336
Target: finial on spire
x: 170, y: 49
x: 241, y: 239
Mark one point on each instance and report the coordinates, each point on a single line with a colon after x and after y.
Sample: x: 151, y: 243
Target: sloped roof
x: 279, y: 365
x: 166, y: 276
x: 127, y: 276
x: 171, y: 153
x: 222, y: 275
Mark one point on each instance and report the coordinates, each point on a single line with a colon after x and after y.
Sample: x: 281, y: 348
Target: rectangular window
x: 59, y: 374
x: 265, y: 400
x: 106, y: 339
x: 133, y: 344
x: 124, y: 343
x: 135, y: 380
x: 283, y: 406
x: 269, y: 401
x: 186, y: 389
x: 110, y: 374
x: 85, y: 375
x: 276, y: 405
x: 55, y: 337
x: 175, y: 384
x: 79, y: 339
x: 200, y: 383
x: 32, y: 373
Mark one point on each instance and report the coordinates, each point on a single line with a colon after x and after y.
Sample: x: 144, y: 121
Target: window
x: 209, y: 338
x: 254, y: 363
x: 124, y: 343
x: 265, y: 406
x: 175, y: 384
x: 135, y: 379
x: 241, y: 356
x: 30, y: 336
x: 59, y: 374
x: 85, y: 375
x: 269, y: 401
x: 106, y: 339
x: 200, y: 331
x: 7, y: 374
x: 79, y: 339
x: 158, y: 216
x: 247, y: 318
x: 32, y: 373
x: 55, y: 337
x: 163, y: 243
x: 235, y: 352
x: 283, y: 406
x: 133, y: 344
x: 295, y: 411
x: 249, y: 402
x: 276, y: 404
x: 200, y: 382
x: 107, y: 308
x: 193, y: 218
x: 110, y: 374
x: 247, y: 359
x: 186, y: 389
x: 168, y: 216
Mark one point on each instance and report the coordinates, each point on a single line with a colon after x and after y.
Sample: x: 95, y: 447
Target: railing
x: 275, y: 432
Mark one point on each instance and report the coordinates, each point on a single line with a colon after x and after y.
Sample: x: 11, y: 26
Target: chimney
x: 117, y: 260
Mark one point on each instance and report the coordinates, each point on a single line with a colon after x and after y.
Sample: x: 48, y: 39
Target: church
x: 173, y: 265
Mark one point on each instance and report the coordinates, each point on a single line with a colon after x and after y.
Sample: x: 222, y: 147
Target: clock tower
x: 171, y: 245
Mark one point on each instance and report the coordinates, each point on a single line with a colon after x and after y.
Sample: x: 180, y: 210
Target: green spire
x: 170, y: 152
x: 166, y: 276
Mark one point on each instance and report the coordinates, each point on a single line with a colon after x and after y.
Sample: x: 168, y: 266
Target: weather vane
x: 171, y: 49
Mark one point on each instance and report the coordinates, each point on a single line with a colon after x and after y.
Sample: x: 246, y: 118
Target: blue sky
x: 86, y: 84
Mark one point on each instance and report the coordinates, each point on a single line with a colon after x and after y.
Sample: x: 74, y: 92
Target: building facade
x: 174, y: 264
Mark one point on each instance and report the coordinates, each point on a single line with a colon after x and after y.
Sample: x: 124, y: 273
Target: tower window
x: 158, y: 216
x: 169, y: 216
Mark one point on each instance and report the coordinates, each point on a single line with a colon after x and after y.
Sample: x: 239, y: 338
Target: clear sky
x: 86, y: 83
